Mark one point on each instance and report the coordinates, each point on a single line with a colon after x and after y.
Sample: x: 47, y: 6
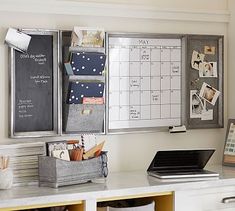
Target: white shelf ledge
x: 70, y: 7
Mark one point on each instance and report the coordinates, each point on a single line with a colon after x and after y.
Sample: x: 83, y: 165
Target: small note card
x: 17, y: 40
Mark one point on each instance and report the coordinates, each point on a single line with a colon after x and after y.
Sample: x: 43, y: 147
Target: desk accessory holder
x: 6, y: 174
x: 55, y: 173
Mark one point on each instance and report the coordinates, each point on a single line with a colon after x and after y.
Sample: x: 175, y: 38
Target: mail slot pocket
x: 86, y: 63
x: 84, y: 118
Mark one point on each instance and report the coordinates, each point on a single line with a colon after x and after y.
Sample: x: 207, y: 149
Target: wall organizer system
x: 164, y: 80
x: 83, y: 82
x: 149, y: 82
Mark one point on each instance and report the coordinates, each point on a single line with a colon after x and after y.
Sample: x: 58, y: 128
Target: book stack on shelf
x: 84, y: 82
x: 24, y: 161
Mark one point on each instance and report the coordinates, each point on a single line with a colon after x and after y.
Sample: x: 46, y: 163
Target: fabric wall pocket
x: 79, y: 89
x: 84, y: 118
x: 86, y: 63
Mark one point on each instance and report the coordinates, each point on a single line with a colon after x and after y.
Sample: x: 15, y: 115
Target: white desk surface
x: 120, y: 184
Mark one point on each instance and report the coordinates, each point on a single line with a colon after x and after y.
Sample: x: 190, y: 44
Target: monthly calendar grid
x: 136, y: 88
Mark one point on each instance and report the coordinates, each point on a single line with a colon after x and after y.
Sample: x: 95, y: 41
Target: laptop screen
x: 180, y: 159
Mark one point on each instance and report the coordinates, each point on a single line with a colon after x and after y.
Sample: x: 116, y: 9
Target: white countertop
x: 120, y: 184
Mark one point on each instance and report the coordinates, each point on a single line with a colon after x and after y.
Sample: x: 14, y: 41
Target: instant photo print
x: 197, y: 105
x: 210, y: 50
x: 209, y: 93
x: 197, y: 60
x: 209, y: 69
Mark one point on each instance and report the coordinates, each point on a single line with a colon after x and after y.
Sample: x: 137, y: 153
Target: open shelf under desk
x: 163, y: 201
x: 79, y: 206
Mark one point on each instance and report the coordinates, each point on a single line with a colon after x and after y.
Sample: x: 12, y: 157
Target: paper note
x: 61, y: 154
x: 207, y: 115
x: 17, y: 40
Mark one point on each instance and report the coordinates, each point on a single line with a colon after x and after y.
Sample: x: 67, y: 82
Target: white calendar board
x: 144, y: 82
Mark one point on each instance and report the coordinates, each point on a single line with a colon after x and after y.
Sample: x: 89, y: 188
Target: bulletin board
x: 145, y: 80
x: 205, y: 81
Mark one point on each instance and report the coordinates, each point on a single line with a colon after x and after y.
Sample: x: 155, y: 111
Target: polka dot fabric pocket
x: 78, y: 90
x: 87, y: 63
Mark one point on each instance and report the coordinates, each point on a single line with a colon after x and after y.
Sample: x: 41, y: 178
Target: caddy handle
x: 228, y: 200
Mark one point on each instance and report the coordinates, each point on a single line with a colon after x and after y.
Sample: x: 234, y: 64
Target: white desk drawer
x: 220, y: 198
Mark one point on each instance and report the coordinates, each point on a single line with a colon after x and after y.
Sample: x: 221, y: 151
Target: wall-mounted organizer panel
x: 133, y: 82
x: 34, y: 86
x: 83, y: 85
x: 146, y: 81
x: 205, y: 81
x: 158, y: 81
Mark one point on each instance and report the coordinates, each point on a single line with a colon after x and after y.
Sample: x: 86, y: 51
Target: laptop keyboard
x: 179, y: 172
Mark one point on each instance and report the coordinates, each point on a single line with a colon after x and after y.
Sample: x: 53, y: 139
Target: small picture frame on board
x: 229, y: 146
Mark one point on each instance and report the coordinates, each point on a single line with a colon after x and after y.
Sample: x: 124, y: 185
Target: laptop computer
x: 176, y: 164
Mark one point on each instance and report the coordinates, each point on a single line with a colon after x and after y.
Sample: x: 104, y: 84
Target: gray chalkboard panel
x: 35, y: 86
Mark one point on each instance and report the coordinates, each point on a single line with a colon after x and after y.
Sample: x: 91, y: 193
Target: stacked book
x: 24, y: 161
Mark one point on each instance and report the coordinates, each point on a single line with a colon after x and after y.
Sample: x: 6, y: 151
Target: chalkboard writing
x: 34, y: 86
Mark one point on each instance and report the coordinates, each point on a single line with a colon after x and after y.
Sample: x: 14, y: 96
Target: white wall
x: 231, y: 63
x: 129, y: 151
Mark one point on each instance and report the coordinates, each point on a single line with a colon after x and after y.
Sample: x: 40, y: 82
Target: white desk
x: 168, y: 195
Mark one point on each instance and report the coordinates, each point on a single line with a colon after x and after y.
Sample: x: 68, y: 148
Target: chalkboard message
x: 34, y: 86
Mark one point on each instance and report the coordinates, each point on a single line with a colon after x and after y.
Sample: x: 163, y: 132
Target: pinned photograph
x: 209, y: 93
x: 197, y: 105
x: 209, y: 69
x: 209, y: 50
x: 87, y: 37
x: 197, y: 60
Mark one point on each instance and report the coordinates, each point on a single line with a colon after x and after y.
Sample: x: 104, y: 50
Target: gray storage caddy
x: 55, y: 172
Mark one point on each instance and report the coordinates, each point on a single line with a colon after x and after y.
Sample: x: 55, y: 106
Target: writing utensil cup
x: 6, y: 178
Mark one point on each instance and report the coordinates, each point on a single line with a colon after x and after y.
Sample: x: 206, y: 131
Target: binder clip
x: 177, y: 129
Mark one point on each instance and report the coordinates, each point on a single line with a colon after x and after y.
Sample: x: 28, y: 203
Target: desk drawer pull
x: 228, y: 200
